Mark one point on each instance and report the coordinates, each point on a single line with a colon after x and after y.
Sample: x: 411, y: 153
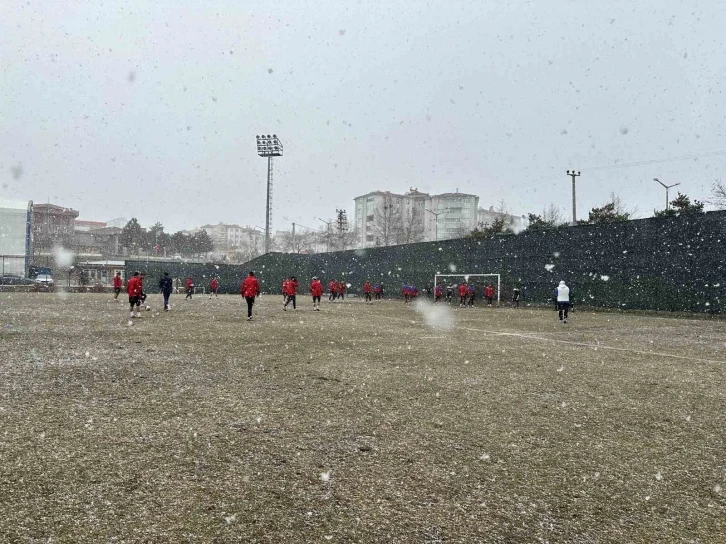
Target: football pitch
x: 358, y: 423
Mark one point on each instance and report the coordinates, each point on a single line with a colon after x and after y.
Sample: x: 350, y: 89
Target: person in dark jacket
x: 166, y: 286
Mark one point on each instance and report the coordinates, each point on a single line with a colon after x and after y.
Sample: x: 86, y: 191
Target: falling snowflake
x: 325, y: 476
x: 549, y: 267
x: 658, y: 476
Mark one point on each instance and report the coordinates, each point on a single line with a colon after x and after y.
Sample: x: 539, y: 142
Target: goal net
x: 480, y: 281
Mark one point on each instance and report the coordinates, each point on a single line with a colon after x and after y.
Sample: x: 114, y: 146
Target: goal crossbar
x: 467, y: 276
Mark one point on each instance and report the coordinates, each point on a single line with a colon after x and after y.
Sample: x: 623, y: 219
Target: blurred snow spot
x: 325, y: 476
x: 230, y: 519
x: 131, y: 76
x: 604, y: 278
x: 63, y: 257
x: 556, y: 254
x: 647, y: 497
x: 259, y: 420
x: 484, y: 457
x: 436, y: 316
x: 17, y: 171
x: 658, y: 476
x: 717, y: 488
x: 624, y: 130
x: 561, y: 369
x: 452, y: 267
x: 341, y: 32
x: 688, y: 418
x: 549, y: 267
x: 269, y: 70
x: 88, y: 354
x: 441, y: 249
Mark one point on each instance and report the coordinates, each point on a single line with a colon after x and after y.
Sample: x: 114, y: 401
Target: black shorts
x: 563, y: 305
x: 316, y: 299
x: 134, y: 301
x: 116, y: 290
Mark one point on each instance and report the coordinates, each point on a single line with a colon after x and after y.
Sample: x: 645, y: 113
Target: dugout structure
x: 479, y: 279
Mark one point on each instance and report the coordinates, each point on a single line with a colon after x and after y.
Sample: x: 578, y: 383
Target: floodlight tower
x: 269, y: 146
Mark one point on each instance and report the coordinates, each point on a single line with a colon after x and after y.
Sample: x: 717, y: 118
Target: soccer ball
x: 148, y: 308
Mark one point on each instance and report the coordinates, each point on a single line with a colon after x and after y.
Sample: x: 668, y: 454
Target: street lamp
x: 436, y: 215
x: 573, y: 175
x: 269, y: 146
x: 666, y: 188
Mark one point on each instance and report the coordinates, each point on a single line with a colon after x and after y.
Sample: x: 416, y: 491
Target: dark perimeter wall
x: 673, y: 264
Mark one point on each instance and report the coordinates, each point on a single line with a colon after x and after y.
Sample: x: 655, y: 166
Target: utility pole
x: 327, y: 238
x: 573, y: 175
x: 666, y: 188
x: 342, y: 225
x: 293, y: 238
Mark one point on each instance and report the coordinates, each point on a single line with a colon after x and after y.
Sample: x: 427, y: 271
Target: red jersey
x: 250, y: 287
x: 133, y: 286
x: 284, y: 287
x: 190, y: 283
x: 118, y: 283
x: 489, y: 291
x: 341, y: 288
x: 291, y: 289
x: 316, y: 288
x: 366, y: 287
x: 463, y: 290
x: 333, y: 286
x: 214, y: 284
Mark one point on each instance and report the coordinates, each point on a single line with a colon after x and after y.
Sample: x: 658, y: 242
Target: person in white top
x: 562, y: 295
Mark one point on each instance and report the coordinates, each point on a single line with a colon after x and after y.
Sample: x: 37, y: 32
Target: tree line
x: 155, y: 241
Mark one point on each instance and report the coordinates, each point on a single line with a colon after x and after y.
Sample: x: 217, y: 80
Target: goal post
x: 477, y: 278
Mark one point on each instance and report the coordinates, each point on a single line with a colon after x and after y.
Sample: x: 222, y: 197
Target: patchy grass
x: 356, y: 424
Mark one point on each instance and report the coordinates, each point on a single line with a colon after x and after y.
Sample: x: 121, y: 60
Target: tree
x: 412, y: 225
x: 201, y: 242
x: 387, y: 221
x: 718, y: 195
x: 133, y: 236
x: 551, y: 218
x: 681, y: 205
x: 302, y: 242
x: 180, y: 243
x: 500, y: 225
x: 612, y: 212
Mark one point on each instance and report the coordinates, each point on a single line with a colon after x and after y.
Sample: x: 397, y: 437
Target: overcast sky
x: 150, y: 109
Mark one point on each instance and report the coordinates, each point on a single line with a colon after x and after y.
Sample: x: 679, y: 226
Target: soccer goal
x: 480, y: 281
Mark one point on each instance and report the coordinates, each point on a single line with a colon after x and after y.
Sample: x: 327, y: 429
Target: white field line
x: 571, y: 343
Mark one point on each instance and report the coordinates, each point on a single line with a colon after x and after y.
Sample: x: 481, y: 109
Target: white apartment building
x: 385, y: 218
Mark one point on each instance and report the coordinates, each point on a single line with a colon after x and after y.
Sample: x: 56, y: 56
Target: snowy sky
x: 150, y: 109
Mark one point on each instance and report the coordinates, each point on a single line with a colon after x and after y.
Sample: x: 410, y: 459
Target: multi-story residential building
x: 385, y: 218
x: 52, y: 225
x: 234, y: 241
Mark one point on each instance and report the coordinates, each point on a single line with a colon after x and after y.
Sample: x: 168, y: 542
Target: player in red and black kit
x: 291, y: 293
x: 118, y: 283
x: 333, y: 288
x: 378, y: 291
x: 133, y: 288
x: 190, y: 288
x: 489, y: 294
x: 463, y: 292
x: 437, y: 293
x: 341, y: 290
x: 250, y: 289
x: 367, y: 289
x: 316, y: 290
x: 213, y: 287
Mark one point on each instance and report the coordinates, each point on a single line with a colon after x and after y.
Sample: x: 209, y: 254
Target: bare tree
x: 412, y: 226
x: 552, y: 215
x: 718, y: 195
x: 302, y: 242
x: 621, y: 208
x: 387, y: 222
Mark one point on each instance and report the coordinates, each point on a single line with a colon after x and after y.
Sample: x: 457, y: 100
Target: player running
x: 562, y: 296
x: 333, y: 289
x: 291, y: 292
x: 118, y: 283
x: 190, y: 288
x: 316, y: 290
x: 250, y: 289
x: 489, y: 294
x: 463, y: 293
x: 367, y: 292
x: 213, y: 287
x: 133, y: 288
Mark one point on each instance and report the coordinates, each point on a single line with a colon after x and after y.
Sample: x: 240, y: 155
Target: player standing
x: 165, y: 284
x: 250, y: 289
x: 133, y: 288
x: 515, y: 297
x: 291, y: 293
x: 333, y: 288
x: 463, y: 292
x: 377, y: 291
x: 449, y: 293
x: 341, y: 290
x: 367, y: 292
x: 437, y: 293
x: 471, y: 292
x: 489, y: 294
x: 213, y: 287
x: 316, y: 290
x: 406, y: 292
x: 142, y: 296
x: 118, y: 283
x: 562, y: 295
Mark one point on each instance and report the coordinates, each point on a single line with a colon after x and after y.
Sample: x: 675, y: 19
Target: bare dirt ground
x: 356, y: 424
